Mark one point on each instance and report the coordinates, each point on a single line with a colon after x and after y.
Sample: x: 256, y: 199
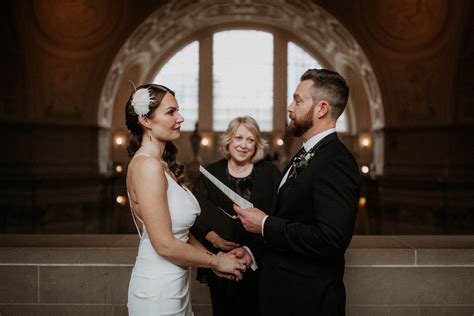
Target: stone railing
x: 89, y: 275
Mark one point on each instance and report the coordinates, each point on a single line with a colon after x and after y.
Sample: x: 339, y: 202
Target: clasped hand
x: 229, y: 266
x: 251, y: 219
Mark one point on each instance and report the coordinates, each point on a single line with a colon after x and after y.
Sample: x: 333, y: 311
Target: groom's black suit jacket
x: 305, y: 239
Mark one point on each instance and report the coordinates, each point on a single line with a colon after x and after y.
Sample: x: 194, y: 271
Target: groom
x: 304, y: 241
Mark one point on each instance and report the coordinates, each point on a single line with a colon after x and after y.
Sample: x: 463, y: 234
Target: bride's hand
x: 229, y: 265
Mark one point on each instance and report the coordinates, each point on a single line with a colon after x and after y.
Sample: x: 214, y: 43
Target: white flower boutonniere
x: 300, y: 162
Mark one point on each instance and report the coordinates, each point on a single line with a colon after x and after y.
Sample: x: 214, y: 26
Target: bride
x: 163, y: 210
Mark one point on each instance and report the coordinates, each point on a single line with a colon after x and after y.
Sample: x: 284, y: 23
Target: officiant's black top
x: 241, y: 186
x: 259, y: 188
x: 231, y: 298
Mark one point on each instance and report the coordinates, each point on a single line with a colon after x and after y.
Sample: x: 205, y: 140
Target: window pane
x: 298, y: 62
x: 181, y: 74
x: 243, y: 77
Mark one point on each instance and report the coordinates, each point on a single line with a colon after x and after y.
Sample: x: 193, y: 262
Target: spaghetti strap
x: 142, y: 154
x: 135, y: 215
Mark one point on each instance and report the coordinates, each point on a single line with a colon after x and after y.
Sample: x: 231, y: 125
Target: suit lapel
x: 323, y: 142
x: 280, y: 189
x: 288, y: 166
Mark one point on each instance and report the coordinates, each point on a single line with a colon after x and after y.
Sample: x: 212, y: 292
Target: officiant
x: 246, y: 172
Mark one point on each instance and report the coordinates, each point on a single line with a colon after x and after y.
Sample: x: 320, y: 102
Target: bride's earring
x: 150, y: 137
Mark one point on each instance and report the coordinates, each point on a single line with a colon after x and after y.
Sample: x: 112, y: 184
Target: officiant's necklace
x: 239, y: 172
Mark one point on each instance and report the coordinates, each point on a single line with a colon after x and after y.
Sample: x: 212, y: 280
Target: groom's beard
x: 297, y: 127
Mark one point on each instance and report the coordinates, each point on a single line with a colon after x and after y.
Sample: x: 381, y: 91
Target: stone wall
x: 89, y: 275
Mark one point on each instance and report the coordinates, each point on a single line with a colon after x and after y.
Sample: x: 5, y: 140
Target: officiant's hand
x: 219, y: 242
x: 251, y: 218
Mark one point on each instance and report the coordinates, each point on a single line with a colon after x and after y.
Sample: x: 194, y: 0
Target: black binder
x: 222, y: 220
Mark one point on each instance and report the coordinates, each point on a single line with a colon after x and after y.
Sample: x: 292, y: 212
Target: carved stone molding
x: 413, y: 86
x: 419, y: 102
x: 464, y: 82
x: 75, y: 26
x: 405, y: 25
x: 179, y: 19
x: 60, y: 83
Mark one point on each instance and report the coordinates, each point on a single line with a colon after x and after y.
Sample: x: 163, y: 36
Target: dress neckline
x: 176, y: 182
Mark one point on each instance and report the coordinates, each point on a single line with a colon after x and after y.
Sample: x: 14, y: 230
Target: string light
x: 365, y: 140
x: 119, y: 140
x: 205, y: 141
x: 121, y: 200
x: 280, y: 142
x: 364, y: 169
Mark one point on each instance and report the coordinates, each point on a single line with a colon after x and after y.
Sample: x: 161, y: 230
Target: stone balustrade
x: 89, y: 274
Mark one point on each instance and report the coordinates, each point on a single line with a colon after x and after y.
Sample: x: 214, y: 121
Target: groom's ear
x: 322, y: 109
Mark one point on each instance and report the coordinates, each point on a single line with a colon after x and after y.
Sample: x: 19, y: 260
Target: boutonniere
x: 300, y: 162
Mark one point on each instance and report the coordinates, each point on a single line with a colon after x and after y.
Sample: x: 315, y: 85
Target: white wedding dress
x: 158, y: 286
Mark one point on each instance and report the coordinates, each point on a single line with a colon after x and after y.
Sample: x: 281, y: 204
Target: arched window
x: 243, y: 77
x: 181, y: 73
x: 242, y: 74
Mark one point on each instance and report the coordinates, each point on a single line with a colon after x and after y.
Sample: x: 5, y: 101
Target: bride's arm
x: 150, y: 186
x: 195, y: 242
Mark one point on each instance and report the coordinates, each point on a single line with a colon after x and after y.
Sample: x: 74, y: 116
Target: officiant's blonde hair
x: 251, y: 124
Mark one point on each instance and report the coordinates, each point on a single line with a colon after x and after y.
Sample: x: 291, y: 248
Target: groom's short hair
x: 329, y: 86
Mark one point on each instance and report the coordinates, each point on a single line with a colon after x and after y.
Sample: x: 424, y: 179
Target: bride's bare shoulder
x: 143, y: 167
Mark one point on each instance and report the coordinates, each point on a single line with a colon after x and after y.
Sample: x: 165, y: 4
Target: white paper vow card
x: 237, y: 199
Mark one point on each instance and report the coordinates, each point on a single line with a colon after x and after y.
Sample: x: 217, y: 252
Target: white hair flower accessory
x: 141, y: 101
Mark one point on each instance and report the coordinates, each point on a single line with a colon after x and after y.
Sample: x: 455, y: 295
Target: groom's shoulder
x: 334, y: 150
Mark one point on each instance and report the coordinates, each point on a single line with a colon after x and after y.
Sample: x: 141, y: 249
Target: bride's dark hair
x: 157, y: 93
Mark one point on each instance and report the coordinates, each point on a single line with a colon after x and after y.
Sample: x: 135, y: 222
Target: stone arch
x: 175, y: 23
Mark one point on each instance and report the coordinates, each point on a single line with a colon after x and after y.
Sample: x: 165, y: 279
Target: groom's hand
x: 251, y: 218
x: 228, y: 276
x: 242, y: 253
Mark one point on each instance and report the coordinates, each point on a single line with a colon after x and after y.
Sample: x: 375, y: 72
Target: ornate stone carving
x: 301, y: 18
x: 464, y: 102
x: 405, y: 25
x: 76, y: 25
x: 413, y: 84
x: 59, y: 86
